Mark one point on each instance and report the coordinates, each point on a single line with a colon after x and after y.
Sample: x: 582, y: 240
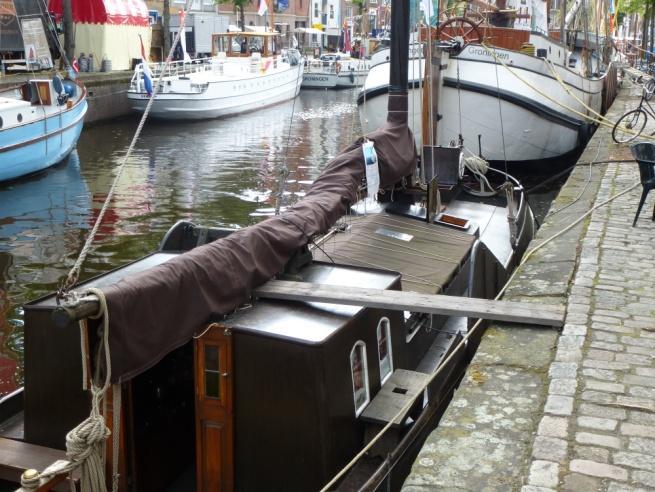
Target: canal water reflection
x: 215, y: 173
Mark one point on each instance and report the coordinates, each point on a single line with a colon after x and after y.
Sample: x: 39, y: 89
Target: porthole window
x: 385, y: 355
x: 359, y: 372
x: 0, y: 122
x: 19, y: 117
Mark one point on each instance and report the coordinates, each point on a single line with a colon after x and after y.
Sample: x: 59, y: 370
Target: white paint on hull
x: 528, y: 134
x: 204, y: 96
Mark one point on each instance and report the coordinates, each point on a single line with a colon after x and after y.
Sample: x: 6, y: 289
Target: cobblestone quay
x: 543, y: 409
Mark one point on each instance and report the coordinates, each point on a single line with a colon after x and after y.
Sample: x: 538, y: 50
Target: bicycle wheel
x: 629, y: 126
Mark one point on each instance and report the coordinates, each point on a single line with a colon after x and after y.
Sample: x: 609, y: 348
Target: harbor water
x: 220, y: 173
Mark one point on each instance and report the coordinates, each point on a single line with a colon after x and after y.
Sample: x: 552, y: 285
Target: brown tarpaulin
x: 152, y: 313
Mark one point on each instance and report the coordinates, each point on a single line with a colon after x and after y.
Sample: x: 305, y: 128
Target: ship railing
x: 322, y: 66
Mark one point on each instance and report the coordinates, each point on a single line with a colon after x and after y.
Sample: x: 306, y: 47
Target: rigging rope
x: 73, y: 274
x: 85, y: 443
x: 559, y: 103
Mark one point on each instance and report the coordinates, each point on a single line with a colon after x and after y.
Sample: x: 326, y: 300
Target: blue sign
x: 282, y: 4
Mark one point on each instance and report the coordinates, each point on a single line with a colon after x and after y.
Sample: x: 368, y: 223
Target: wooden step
x: 18, y: 456
x: 514, y: 312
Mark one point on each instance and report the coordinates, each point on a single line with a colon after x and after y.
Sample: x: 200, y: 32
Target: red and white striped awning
x: 129, y: 12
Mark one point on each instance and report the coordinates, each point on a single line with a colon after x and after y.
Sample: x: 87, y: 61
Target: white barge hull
x: 511, y: 119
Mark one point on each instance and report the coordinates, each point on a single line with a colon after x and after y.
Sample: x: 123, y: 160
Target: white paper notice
x: 372, y: 170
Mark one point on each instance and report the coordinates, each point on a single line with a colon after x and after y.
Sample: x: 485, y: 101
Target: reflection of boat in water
x: 46, y: 206
x: 224, y: 387
x: 545, y: 96
x: 247, y: 72
x: 40, y: 122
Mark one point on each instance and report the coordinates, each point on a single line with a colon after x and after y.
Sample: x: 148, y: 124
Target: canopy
x: 121, y: 12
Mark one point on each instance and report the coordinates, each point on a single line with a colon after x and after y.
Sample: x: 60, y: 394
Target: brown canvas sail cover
x: 152, y: 313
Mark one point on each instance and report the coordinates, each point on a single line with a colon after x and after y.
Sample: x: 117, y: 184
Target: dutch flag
x: 147, y: 76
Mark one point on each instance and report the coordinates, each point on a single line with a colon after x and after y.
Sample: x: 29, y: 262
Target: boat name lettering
x: 317, y: 78
x: 486, y: 52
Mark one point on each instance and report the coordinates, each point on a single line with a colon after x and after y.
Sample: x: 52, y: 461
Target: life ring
x: 337, y: 68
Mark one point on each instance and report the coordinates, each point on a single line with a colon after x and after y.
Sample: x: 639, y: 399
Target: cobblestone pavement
x: 541, y: 410
x: 598, y: 427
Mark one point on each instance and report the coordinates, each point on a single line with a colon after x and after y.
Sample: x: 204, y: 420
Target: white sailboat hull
x: 504, y: 116
x: 204, y: 96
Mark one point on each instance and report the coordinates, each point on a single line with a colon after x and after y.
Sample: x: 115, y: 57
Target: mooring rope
x: 85, y: 443
x: 561, y: 104
x: 466, y: 337
x: 73, y: 274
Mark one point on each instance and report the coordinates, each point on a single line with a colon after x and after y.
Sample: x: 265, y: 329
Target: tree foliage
x: 632, y: 6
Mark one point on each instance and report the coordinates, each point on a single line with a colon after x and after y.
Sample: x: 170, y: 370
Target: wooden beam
x: 514, y: 312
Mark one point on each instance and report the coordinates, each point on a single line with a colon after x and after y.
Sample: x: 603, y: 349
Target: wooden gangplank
x: 514, y: 312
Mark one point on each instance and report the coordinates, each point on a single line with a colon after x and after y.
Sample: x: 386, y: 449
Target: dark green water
x: 215, y: 173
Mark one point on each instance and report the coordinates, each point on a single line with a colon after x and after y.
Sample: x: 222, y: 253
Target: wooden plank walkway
x: 515, y: 312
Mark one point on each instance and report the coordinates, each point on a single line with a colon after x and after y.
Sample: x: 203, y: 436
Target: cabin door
x: 214, y: 426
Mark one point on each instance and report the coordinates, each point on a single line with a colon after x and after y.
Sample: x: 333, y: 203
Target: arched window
x: 359, y: 372
x: 385, y: 355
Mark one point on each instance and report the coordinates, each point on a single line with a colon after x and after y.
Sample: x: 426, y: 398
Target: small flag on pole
x: 263, y: 8
x: 147, y: 76
x: 186, y: 57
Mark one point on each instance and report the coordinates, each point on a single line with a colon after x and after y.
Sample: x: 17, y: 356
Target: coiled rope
x: 85, y: 444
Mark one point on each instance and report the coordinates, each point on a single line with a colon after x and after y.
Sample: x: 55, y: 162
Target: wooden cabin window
x: 385, y: 355
x: 212, y: 372
x: 359, y: 371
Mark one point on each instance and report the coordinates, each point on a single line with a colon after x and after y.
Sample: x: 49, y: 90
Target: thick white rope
x: 85, y: 444
x: 466, y: 337
x: 74, y: 272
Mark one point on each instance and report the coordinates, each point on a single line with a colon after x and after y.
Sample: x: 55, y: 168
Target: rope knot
x: 86, y: 438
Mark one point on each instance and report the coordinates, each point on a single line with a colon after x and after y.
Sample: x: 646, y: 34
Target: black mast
x: 399, y: 57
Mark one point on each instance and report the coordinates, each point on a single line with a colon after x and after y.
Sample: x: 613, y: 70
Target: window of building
x: 359, y: 371
x: 385, y: 355
x: 316, y: 10
x: 331, y: 11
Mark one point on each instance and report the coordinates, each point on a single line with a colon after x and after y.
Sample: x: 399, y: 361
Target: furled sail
x: 153, y: 313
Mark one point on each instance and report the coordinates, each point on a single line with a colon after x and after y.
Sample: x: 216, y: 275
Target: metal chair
x: 644, y: 154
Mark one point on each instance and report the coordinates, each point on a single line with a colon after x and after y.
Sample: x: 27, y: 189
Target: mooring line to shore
x: 466, y: 337
x: 561, y: 104
x: 73, y: 274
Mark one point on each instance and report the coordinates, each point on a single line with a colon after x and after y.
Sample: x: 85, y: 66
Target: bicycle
x: 631, y: 124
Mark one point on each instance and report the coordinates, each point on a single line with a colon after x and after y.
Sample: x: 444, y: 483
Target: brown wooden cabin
x: 275, y: 396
